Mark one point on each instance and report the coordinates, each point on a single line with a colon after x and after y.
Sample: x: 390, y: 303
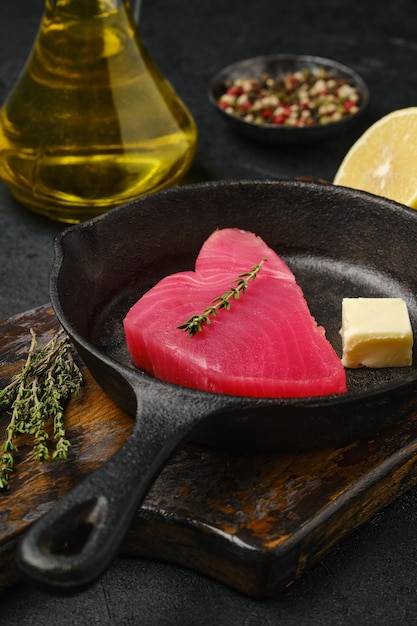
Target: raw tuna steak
x: 266, y: 345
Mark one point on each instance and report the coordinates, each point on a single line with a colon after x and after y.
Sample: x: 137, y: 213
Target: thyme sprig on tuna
x: 36, y: 396
x: 195, y: 323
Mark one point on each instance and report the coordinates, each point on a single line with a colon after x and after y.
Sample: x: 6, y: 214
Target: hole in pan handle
x: 73, y: 544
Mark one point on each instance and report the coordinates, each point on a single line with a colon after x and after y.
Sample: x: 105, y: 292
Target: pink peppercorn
x: 349, y: 104
x: 234, y: 91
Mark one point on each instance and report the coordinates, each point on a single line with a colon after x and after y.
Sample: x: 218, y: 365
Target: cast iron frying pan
x: 338, y: 242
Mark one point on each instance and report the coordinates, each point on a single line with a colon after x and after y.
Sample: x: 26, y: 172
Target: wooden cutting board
x: 253, y: 522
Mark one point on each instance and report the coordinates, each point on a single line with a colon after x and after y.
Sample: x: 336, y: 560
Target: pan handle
x: 72, y: 545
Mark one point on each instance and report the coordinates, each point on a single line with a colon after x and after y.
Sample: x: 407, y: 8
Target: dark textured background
x: 371, y: 577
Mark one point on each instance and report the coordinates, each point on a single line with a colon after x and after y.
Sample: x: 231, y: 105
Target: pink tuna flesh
x: 267, y: 344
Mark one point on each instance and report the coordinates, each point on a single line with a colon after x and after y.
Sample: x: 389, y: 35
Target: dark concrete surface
x: 370, y: 578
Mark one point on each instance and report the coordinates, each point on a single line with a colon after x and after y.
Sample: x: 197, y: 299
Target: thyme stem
x: 36, y: 395
x: 194, y: 324
x: 8, y: 448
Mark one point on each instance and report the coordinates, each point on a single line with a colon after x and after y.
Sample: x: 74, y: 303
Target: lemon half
x: 383, y: 161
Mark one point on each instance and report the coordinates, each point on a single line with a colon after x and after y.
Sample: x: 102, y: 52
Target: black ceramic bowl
x: 280, y: 66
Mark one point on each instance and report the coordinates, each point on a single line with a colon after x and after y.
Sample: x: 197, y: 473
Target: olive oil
x: 91, y: 123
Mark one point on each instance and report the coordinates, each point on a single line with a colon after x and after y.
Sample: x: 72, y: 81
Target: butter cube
x: 376, y: 332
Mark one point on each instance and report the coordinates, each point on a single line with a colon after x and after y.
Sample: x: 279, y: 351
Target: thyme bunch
x: 194, y: 324
x: 36, y: 396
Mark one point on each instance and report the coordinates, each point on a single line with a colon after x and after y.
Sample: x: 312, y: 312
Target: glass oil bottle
x: 91, y: 123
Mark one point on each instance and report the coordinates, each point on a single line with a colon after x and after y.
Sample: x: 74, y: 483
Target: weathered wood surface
x: 254, y: 522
